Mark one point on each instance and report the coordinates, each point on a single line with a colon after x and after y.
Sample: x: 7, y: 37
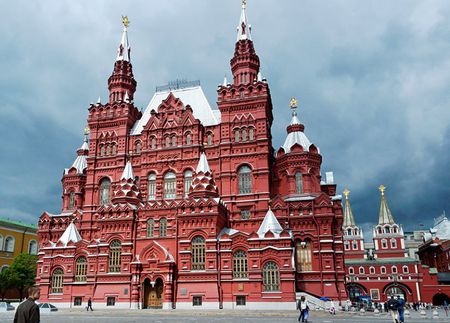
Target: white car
x: 6, y: 307
x: 47, y: 307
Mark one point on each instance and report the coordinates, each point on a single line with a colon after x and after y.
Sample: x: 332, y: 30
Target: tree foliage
x: 21, y: 274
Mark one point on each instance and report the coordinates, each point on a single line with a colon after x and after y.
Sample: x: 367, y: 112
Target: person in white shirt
x: 302, y: 306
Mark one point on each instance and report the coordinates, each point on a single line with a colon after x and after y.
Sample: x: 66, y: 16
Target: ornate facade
x: 185, y: 206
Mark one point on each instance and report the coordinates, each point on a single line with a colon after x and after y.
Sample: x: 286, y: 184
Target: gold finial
x: 293, y: 103
x: 87, y: 130
x: 382, y: 188
x: 125, y: 21
x: 244, y: 3
x: 346, y: 193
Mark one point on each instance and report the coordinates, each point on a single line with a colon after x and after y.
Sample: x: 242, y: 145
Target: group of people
x: 397, y: 309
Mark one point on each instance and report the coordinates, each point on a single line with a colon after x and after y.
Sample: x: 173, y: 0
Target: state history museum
x: 188, y: 205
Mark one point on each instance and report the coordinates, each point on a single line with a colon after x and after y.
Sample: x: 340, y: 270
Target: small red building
x: 186, y: 206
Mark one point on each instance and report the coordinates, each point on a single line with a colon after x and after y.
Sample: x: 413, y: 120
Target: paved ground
x: 122, y: 316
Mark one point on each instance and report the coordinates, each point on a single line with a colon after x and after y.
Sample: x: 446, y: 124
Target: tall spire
x: 349, y: 219
x: 385, y: 215
x: 245, y: 62
x: 244, y: 29
x: 121, y: 83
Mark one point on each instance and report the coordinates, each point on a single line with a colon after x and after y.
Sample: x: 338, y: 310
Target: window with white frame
x: 394, y: 269
x: 81, y: 269
x: 163, y: 227
x: 351, y: 271
x: 170, y: 185
x: 347, y: 245
x: 150, y: 228
x: 383, y: 270
x: 245, y: 180
x: 372, y: 270
x: 9, y: 244
x: 384, y: 244
x: 187, y: 181
x: 33, y: 247
x: 57, y: 281
x: 405, y: 269
x: 105, y: 189
x: 298, y: 183
x: 71, y: 200
x: 251, y: 134
x: 240, y: 267
x: 393, y: 243
x: 271, y: 277
x: 361, y: 270
x: 198, y: 253
x: 1, y: 242
x: 355, y: 244
x: 152, y: 186
x: 115, y: 250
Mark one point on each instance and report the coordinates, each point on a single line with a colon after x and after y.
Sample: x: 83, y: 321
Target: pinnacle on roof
x: 270, y: 223
x: 244, y: 29
x: 123, y: 51
x: 225, y: 81
x: 128, y: 171
x: 349, y: 219
x: 80, y: 163
x: 385, y: 215
x: 203, y: 184
x: 70, y: 234
x: 203, y: 165
x: 295, y: 131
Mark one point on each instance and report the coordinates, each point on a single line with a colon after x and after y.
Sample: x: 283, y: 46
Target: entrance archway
x: 153, y: 293
x: 395, y: 290
x: 355, y: 290
x: 439, y: 298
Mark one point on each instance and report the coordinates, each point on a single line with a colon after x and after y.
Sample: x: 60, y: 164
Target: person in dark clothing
x: 401, y: 309
x: 89, y: 306
x: 28, y: 311
x: 393, y: 309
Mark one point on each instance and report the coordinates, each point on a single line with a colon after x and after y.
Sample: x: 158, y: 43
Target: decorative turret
x: 385, y: 215
x: 352, y: 234
x: 295, y: 132
x: 270, y: 223
x: 80, y: 163
x: 203, y: 184
x: 349, y: 219
x: 126, y: 191
x: 121, y: 83
x: 245, y: 63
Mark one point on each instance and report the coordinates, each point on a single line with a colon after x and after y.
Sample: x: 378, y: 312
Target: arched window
x: 152, y: 186
x: 355, y: 245
x: 347, y: 245
x: 187, y: 181
x: 393, y: 243
x: 209, y: 139
x: 167, y: 141
x: 115, y: 249
x: 188, y: 139
x: 405, y: 269
x: 163, y: 227
x: 108, y: 150
x: 102, y: 150
x: 271, y: 277
x: 304, y: 256
x: 9, y: 244
x: 174, y: 141
x: 394, y: 269
x: 170, y: 185
x: 153, y: 142
x: 383, y: 244
x: 33, y: 247
x: 251, y: 134
x: 198, y: 253
x: 395, y: 229
x: 351, y: 271
x: 379, y: 230
x: 383, y: 270
x: 81, y: 269
x: 150, y: 228
x: 57, y: 281
x: 236, y: 135
x: 372, y: 270
x: 298, y: 183
x: 361, y: 270
x: 349, y: 232
x: 1, y: 242
x: 244, y: 135
x: 71, y: 200
x: 138, y: 147
x: 105, y: 188
x: 245, y: 180
x: 240, y: 267
x: 387, y: 230
x: 114, y: 149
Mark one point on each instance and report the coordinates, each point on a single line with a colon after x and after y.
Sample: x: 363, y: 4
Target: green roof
x: 9, y: 222
x: 380, y: 261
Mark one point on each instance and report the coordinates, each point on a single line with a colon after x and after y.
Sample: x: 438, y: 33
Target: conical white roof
x: 128, y: 171
x: 123, y: 51
x: 71, y: 234
x: 296, y: 137
x: 203, y: 165
x: 271, y: 223
x: 243, y: 29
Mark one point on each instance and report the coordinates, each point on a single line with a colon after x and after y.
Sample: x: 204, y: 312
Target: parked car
x: 47, y: 307
x: 6, y: 307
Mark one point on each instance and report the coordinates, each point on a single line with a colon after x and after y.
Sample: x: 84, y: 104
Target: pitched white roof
x: 128, y: 171
x: 203, y: 165
x: 80, y: 162
x: 271, y: 223
x: 192, y: 96
x: 71, y: 234
x: 296, y: 137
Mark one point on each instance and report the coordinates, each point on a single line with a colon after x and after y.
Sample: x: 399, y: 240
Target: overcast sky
x: 372, y: 79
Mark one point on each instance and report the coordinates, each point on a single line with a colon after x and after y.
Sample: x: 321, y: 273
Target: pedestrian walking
x: 446, y: 307
x: 393, y: 309
x: 401, y: 309
x: 28, y: 311
x: 302, y: 306
x: 89, y: 305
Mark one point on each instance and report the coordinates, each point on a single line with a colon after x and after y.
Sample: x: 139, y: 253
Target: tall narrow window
x: 188, y: 139
x: 187, y: 182
x: 393, y: 243
x: 105, y: 188
x: 169, y: 185
x: 163, y: 227
x: 1, y: 242
x: 150, y: 228
x: 71, y: 200
x: 209, y: 140
x: 152, y: 186
x: 304, y: 257
x: 167, y: 141
x: 245, y: 180
x: 153, y: 142
x: 57, y: 282
x: 240, y: 266
x: 138, y: 147
x: 115, y: 249
x: 244, y: 135
x: 236, y: 135
x: 108, y: 150
x: 298, y: 183
x: 251, y: 134
x: 33, y: 247
x: 9, y: 244
x: 102, y: 151
x: 174, y: 141
x: 384, y: 244
x: 114, y: 149
x: 271, y: 277
x: 81, y: 269
x: 198, y: 253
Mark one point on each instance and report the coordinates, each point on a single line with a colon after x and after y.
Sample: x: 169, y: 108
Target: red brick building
x: 186, y: 206
x: 385, y: 270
